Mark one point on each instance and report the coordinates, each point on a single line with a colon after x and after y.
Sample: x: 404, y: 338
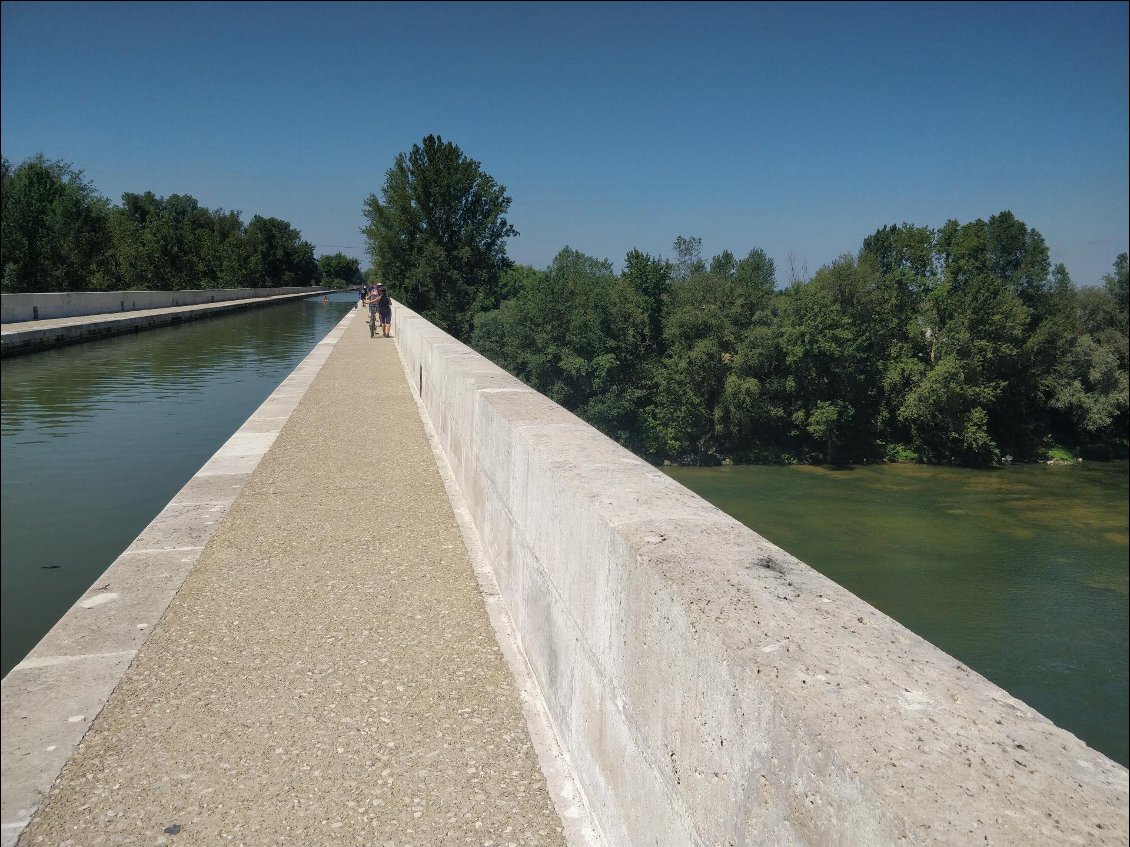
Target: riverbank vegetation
x: 960, y: 344
x: 953, y: 345
x: 59, y: 234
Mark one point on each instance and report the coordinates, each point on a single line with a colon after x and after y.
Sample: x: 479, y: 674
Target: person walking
x: 384, y: 310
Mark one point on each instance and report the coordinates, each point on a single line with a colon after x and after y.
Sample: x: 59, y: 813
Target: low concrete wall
x: 710, y: 688
x: 15, y: 308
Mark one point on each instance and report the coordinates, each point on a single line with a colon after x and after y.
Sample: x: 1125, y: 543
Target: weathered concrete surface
x: 710, y: 688
x: 29, y: 336
x: 327, y: 673
x: 42, y: 305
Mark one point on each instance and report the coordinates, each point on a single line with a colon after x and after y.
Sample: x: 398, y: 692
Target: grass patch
x: 1059, y: 453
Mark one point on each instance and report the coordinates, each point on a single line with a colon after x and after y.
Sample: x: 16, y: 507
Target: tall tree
x: 54, y: 228
x: 437, y: 234
x: 279, y: 256
x: 1118, y: 283
x: 706, y: 314
x: 832, y: 332
x: 168, y: 243
x: 1089, y: 389
x: 579, y: 334
x: 339, y: 270
x: 688, y: 257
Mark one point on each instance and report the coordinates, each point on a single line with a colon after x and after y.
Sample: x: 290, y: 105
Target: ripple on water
x: 98, y: 437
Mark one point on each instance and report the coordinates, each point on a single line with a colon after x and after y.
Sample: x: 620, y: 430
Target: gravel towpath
x: 328, y: 673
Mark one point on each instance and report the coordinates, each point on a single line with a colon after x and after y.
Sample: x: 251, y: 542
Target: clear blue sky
x: 797, y: 128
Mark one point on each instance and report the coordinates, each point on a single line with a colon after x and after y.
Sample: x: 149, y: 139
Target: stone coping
x: 35, y: 335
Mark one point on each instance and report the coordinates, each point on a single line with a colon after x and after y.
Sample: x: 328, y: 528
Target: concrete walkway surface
x: 328, y: 673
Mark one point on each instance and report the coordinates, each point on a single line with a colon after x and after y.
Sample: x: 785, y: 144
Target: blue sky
x: 797, y: 128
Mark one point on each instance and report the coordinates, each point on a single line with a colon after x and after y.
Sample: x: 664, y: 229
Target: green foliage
x: 579, y: 334
x: 706, y: 313
x: 437, y: 234
x: 958, y: 345
x: 60, y: 235
x: 1087, y: 390
x: 173, y: 243
x: 1117, y: 285
x: 833, y: 334
x: 54, y: 228
x: 279, y: 256
x: 899, y: 453
x: 339, y: 271
x: 1059, y: 453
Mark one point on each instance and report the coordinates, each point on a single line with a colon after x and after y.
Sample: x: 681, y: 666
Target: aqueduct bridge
x: 679, y: 680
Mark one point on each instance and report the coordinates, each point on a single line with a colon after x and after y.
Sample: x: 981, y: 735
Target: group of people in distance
x: 380, y: 306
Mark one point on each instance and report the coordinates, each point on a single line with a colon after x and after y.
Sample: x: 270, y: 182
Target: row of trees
x: 961, y: 344
x: 59, y: 234
x: 958, y: 345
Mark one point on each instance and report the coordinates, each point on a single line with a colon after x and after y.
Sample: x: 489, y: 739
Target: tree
x: 169, y: 243
x: 1089, y: 389
x: 437, y: 234
x: 651, y: 279
x: 279, y: 256
x: 54, y: 228
x: 833, y: 333
x: 339, y: 270
x: 577, y: 333
x: 1118, y: 283
x: 688, y: 257
x: 1002, y: 314
x: 705, y: 316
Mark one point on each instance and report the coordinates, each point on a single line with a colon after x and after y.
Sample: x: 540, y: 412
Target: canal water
x: 97, y: 438
x: 1020, y: 573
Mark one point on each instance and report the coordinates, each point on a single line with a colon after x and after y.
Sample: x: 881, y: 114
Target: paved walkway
x: 328, y: 673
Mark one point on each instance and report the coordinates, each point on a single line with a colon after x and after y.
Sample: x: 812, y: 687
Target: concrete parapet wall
x: 710, y: 688
x: 15, y: 308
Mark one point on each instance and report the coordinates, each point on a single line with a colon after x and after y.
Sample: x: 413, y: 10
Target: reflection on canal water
x: 1020, y: 573
x: 98, y: 437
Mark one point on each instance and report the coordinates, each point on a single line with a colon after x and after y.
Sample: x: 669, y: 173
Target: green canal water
x: 1020, y: 573
x: 97, y: 438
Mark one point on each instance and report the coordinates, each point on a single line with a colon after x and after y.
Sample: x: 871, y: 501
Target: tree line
x: 60, y: 234
x: 961, y: 344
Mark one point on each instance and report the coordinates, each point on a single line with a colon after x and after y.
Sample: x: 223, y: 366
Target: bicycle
x: 372, y: 322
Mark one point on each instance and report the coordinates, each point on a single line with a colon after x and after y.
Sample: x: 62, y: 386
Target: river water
x: 97, y: 438
x: 1021, y: 573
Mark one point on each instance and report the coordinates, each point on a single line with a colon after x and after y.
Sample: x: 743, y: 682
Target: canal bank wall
x: 73, y: 318
x: 710, y: 688
x: 38, y: 306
